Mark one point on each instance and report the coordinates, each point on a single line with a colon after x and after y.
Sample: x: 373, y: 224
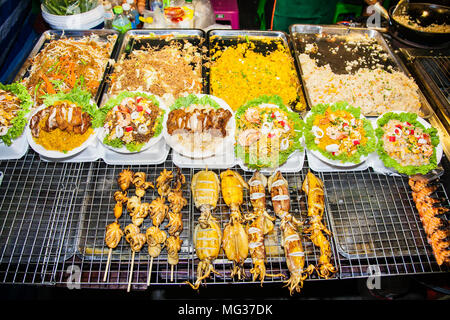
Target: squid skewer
x: 137, y: 240
x: 235, y: 237
x: 291, y: 242
x: 155, y: 241
x: 313, y: 187
x: 173, y: 245
x: 262, y: 224
x: 112, y: 239
x: 205, y: 188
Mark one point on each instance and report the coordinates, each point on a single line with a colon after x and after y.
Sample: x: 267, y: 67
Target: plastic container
x: 120, y: 23
x: 134, y: 14
x: 108, y: 16
x: 86, y: 20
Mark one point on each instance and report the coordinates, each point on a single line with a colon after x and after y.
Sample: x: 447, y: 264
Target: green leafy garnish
x: 191, y: 99
x: 361, y: 150
x: 392, y: 163
x: 20, y: 121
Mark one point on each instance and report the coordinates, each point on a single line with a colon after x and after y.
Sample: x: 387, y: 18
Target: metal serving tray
x: 48, y: 35
x: 223, y: 38
x: 137, y: 39
x: 300, y: 34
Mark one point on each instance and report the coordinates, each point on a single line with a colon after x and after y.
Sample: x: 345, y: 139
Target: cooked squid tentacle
x: 158, y: 211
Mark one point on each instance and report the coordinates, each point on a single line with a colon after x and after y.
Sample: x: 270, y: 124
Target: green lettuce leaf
x: 362, y: 150
x: 20, y: 121
x: 184, y: 102
x: 392, y: 163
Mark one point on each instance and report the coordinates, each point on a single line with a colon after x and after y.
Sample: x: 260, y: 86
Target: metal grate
x: 438, y: 69
x: 53, y: 218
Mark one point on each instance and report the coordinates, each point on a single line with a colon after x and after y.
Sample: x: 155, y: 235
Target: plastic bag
x: 204, y: 14
x: 69, y: 7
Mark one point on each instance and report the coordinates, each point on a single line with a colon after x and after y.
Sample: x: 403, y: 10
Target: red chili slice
x: 392, y: 139
x: 128, y: 129
x: 139, y: 108
x: 356, y: 142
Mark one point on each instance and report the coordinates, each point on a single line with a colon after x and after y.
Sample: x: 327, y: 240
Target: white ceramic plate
x: 198, y: 153
x: 336, y: 163
x: 439, y: 149
x: 52, y: 154
x: 150, y: 143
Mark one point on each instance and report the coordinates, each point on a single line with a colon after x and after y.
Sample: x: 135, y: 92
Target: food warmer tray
x: 300, y: 34
x: 137, y: 39
x: 48, y: 35
x: 223, y: 38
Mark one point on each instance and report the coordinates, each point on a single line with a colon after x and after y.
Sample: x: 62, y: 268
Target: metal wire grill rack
x: 53, y: 218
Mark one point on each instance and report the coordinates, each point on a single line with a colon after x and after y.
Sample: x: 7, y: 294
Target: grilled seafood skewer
x: 295, y: 256
x: 235, y: 238
x: 125, y: 179
x: 137, y: 240
x: 173, y: 245
x: 430, y: 211
x: 112, y: 238
x: 205, y: 187
x: 140, y: 183
x: 262, y: 224
x: 207, y: 240
x: 313, y: 187
x: 291, y: 242
x: 163, y: 182
x: 155, y: 241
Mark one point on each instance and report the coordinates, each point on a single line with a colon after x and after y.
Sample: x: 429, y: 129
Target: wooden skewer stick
x: 149, y: 276
x: 107, y: 265
x: 171, y: 272
x: 131, y: 272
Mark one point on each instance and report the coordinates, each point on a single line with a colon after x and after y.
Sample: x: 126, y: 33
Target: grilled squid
x: 313, y: 187
x: 291, y: 242
x: 261, y: 224
x: 235, y: 238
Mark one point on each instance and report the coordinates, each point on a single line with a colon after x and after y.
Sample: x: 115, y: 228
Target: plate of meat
x: 63, y: 126
x: 200, y: 126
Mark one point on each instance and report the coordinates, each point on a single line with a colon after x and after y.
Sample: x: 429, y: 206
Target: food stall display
x: 347, y: 207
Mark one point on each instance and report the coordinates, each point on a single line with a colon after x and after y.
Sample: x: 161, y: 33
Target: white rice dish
x: 375, y: 91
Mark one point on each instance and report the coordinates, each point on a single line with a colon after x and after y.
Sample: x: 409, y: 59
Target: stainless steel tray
x: 300, y: 33
x: 223, y: 38
x: 136, y: 39
x: 103, y: 34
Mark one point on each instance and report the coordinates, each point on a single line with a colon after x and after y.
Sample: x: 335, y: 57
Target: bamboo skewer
x: 131, y: 271
x: 149, y: 276
x: 107, y: 264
